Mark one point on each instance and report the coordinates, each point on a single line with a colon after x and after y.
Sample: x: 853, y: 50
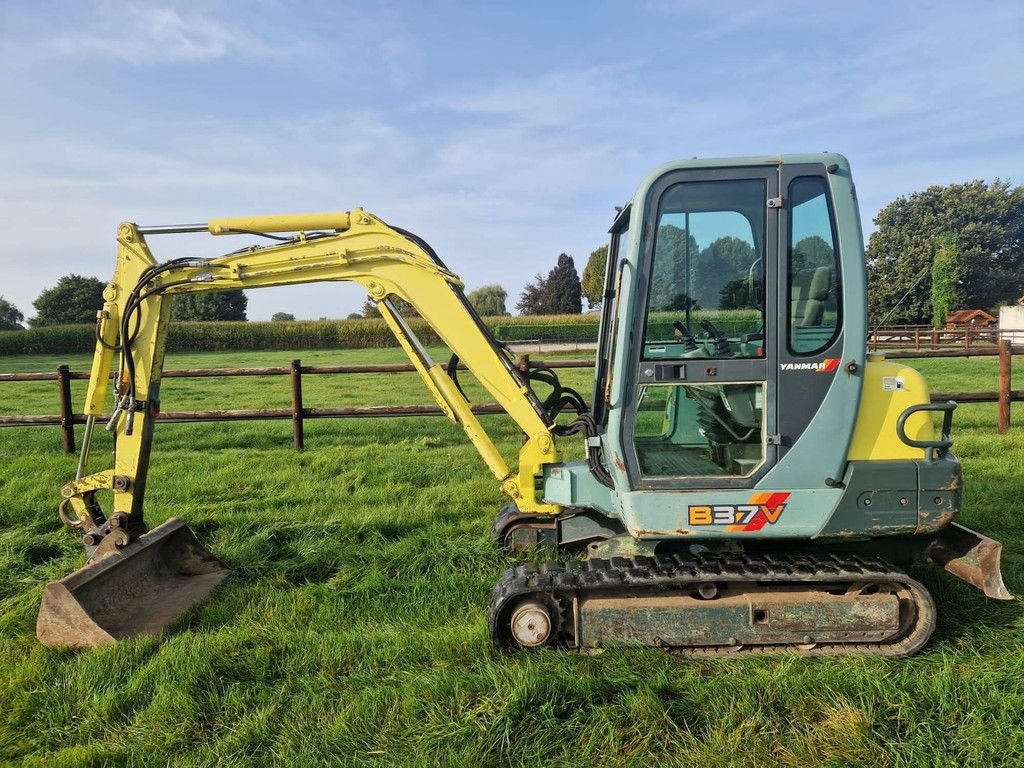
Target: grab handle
x: 935, y: 448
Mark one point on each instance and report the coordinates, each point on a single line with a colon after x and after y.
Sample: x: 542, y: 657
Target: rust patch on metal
x: 932, y: 520
x: 754, y: 616
x: 956, y: 484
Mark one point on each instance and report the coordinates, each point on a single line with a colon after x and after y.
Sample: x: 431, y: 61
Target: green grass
x: 353, y: 628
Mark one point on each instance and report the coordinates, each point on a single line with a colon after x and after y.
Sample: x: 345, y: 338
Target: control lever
x: 720, y: 339
x: 683, y: 334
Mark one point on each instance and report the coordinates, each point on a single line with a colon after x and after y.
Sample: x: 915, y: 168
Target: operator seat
x: 810, y: 290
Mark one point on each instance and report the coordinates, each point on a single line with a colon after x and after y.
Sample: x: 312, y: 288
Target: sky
x: 504, y: 134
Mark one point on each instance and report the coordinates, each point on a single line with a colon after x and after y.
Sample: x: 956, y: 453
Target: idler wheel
x: 531, y: 624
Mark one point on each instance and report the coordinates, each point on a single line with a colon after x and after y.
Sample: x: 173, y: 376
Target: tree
x: 282, y: 317
x: 736, y: 294
x: 945, y: 276
x: 488, y: 300
x: 10, y: 317
x: 564, y: 293
x: 533, y: 299
x: 74, y: 300
x: 812, y: 252
x: 592, y: 283
x: 722, y: 266
x: 985, y: 220
x: 671, y: 286
x: 210, y: 305
x: 557, y: 294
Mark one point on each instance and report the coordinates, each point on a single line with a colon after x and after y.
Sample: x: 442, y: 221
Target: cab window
x: 706, y: 295
x: 813, y: 271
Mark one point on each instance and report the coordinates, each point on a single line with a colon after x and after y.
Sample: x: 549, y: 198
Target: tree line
x: 959, y: 246
x: 75, y: 299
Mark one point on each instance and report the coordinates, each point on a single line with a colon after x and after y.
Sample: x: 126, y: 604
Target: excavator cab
x: 754, y: 480
x: 758, y: 456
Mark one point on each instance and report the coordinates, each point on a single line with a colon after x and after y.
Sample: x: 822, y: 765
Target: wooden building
x: 969, y: 318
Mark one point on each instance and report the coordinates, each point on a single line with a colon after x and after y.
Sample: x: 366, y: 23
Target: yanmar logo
x: 762, y: 509
x: 827, y: 365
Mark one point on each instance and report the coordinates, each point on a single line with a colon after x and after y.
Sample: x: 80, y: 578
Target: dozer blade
x: 137, y: 590
x: 973, y: 557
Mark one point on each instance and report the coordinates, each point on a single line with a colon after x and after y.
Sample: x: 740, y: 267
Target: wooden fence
x: 925, y: 337
x: 298, y: 413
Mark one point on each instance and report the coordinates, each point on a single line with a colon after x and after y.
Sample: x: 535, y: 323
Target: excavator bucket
x: 973, y: 557
x: 137, y: 590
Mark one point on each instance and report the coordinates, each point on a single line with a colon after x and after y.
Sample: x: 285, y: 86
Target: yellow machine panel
x: 889, y: 389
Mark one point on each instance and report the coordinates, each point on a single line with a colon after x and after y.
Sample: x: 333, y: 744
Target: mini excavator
x: 754, y: 480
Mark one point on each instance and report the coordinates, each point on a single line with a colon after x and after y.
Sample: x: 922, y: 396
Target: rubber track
x: 648, y: 575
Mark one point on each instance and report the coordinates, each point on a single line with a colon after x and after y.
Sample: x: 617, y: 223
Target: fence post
x: 935, y: 338
x: 67, y: 419
x: 917, y: 338
x: 1004, y: 385
x: 297, y: 431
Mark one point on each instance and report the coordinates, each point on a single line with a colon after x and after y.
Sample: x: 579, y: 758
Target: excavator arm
x: 354, y: 246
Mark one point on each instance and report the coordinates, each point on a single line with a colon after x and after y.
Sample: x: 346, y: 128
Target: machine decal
x: 827, y: 365
x: 762, y: 509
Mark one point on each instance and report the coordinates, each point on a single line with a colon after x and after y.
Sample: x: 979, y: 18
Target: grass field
x: 353, y: 628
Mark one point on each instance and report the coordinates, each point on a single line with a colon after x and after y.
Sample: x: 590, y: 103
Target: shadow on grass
x: 963, y: 610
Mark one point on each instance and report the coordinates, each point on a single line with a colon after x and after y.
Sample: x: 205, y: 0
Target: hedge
x: 547, y: 331
x: 215, y: 336
x: 350, y: 334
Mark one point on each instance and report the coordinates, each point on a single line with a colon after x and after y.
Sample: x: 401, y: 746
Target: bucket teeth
x: 138, y: 590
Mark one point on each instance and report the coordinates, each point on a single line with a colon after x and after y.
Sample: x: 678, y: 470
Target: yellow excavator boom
x: 344, y: 246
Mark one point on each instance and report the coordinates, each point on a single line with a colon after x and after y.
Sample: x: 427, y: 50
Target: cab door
x: 703, y: 388
x: 810, y: 312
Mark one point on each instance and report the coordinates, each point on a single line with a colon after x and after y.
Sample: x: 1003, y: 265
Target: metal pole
x: 686, y: 267
x: 67, y: 423
x: 83, y: 459
x: 297, y: 430
x: 1004, y: 385
x: 172, y: 229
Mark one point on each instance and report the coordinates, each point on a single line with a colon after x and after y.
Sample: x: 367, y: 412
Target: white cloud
x: 715, y: 19
x: 556, y: 98
x: 143, y: 33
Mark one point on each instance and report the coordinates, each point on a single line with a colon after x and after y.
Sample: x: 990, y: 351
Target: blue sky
x: 502, y: 133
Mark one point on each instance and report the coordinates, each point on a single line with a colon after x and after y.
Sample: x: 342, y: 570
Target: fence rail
x: 919, y: 337
x: 298, y: 413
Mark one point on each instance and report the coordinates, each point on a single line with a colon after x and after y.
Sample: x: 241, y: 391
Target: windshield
x: 707, y: 279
